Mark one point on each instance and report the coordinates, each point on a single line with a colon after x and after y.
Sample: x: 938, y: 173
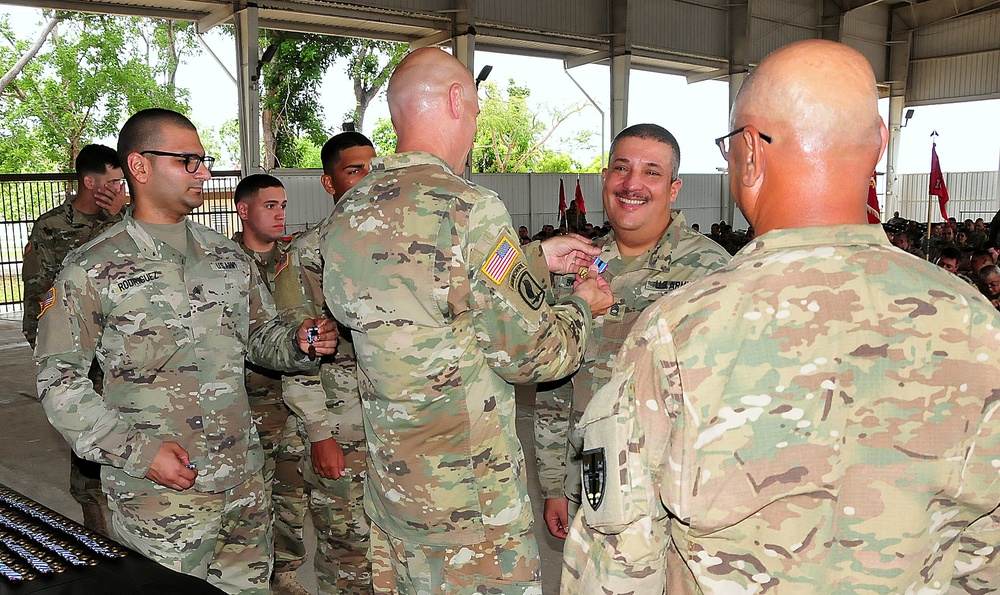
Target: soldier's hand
x: 556, y: 515
x: 111, y: 197
x: 595, y: 290
x: 328, y: 459
x: 170, y: 467
x: 566, y: 254
x: 317, y: 336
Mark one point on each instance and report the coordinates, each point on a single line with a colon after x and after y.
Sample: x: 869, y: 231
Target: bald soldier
x: 819, y: 416
x: 446, y: 310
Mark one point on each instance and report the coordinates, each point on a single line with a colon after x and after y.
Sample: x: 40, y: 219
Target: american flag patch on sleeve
x: 500, y: 262
x: 47, y: 300
x: 282, y: 263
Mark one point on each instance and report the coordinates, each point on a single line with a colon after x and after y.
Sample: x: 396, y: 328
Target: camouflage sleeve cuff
x: 144, y: 449
x: 582, y: 305
x: 304, y: 395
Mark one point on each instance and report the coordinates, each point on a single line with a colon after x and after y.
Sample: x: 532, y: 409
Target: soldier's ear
x: 89, y: 182
x: 138, y: 166
x: 243, y: 209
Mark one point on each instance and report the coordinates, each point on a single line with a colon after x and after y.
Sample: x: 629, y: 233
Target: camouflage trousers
x: 342, y: 529
x: 505, y: 563
x: 285, y: 486
x: 85, y: 487
x: 222, y: 537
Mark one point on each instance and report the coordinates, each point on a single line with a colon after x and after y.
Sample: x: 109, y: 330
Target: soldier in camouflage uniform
x: 650, y: 253
x: 328, y: 405
x: 171, y: 309
x: 446, y: 309
x: 260, y: 203
x: 819, y: 416
x: 97, y: 204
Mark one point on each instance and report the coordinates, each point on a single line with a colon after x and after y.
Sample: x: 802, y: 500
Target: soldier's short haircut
x: 951, y: 252
x: 144, y: 129
x: 95, y: 160
x: 652, y: 132
x: 252, y: 184
x: 988, y: 271
x: 332, y: 148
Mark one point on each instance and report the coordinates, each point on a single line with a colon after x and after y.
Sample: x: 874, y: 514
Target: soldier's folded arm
x: 68, y: 335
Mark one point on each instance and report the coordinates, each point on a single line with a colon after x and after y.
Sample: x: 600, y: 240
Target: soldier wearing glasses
x: 171, y: 309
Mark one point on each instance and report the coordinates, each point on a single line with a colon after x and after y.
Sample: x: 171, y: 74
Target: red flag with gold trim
x: 874, y: 213
x: 938, y: 187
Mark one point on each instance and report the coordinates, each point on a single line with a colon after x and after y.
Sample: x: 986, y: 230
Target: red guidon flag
x: 938, y: 188
x: 874, y: 213
x: 562, y: 200
x: 579, y: 198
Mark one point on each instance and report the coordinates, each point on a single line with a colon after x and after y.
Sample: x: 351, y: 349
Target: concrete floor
x: 34, y: 459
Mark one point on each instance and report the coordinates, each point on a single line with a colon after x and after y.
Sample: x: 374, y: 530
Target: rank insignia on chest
x: 594, y: 476
x: 500, y: 261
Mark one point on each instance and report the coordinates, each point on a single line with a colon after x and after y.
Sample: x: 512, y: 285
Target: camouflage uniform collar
x: 262, y: 258
x: 400, y: 160
x: 814, y: 237
x: 148, y: 246
x: 656, y: 257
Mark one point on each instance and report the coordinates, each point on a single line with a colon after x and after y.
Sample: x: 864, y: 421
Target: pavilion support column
x: 739, y: 67
x: 463, y: 47
x: 899, y: 66
x: 247, y: 59
x: 620, y: 16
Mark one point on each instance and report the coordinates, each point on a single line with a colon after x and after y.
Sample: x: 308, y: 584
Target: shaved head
x: 810, y: 137
x: 433, y: 105
x: 820, y: 94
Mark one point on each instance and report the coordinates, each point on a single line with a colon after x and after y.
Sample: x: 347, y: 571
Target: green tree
x: 90, y: 74
x: 512, y: 135
x: 370, y: 64
x: 290, y: 106
x: 384, y: 137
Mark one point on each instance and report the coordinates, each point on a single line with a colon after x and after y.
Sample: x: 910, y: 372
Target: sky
x: 969, y: 133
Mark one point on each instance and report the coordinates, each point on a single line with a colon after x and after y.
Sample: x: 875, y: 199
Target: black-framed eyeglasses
x: 723, y: 141
x: 192, y: 161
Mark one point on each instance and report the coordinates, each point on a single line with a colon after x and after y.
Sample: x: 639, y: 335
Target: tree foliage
x: 290, y: 106
x: 92, y: 72
x: 512, y: 134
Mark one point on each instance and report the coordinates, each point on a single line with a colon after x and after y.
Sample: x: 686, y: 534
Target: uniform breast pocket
x: 141, y: 332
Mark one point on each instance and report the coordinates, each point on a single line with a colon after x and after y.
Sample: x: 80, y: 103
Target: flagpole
x: 930, y: 206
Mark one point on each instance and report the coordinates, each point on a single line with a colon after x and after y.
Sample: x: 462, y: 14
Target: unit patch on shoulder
x: 526, y: 286
x: 47, y: 300
x: 280, y: 266
x: 594, y: 476
x: 501, y: 261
